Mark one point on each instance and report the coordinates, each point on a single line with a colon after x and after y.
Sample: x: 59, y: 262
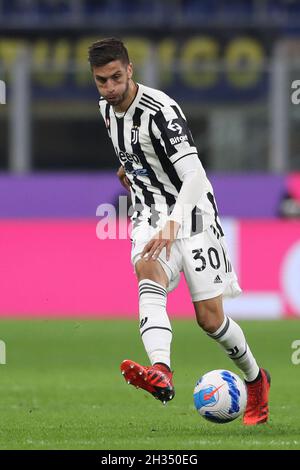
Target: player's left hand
x: 123, y: 178
x: 163, y: 239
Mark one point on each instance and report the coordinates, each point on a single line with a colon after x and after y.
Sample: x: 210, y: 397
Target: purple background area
x: 56, y: 194
x: 248, y: 195
x: 70, y: 195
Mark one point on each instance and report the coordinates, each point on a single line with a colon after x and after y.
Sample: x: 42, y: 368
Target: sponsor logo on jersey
x: 174, y: 126
x: 128, y: 157
x: 178, y: 139
x: 138, y: 172
x: 128, y: 160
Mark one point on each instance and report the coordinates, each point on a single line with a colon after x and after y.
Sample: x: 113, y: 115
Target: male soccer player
x: 175, y: 226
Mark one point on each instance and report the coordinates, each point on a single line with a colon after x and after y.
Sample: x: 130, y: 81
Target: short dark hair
x: 105, y: 51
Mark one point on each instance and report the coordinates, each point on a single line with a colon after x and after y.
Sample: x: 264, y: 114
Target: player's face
x: 112, y: 81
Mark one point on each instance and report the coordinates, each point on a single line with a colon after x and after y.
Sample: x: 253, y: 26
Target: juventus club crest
x: 134, y: 135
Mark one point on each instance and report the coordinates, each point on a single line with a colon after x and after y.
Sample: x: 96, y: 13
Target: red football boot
x: 257, y: 409
x: 156, y: 379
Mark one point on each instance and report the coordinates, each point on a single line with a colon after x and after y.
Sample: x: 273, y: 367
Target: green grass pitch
x: 61, y: 388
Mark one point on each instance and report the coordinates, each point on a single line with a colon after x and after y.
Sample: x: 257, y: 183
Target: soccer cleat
x: 156, y: 379
x: 257, y: 409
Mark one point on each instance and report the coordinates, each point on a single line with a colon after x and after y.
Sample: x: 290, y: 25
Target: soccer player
x: 175, y: 226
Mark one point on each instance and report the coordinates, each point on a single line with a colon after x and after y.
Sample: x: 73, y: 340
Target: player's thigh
x: 205, y: 266
x: 161, y: 270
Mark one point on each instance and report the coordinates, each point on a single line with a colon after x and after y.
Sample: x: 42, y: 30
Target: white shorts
x: 202, y: 258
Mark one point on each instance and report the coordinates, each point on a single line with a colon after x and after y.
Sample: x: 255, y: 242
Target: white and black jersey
x: 155, y: 146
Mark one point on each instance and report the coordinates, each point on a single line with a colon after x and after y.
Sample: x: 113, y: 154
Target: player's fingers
x: 147, y: 248
x: 158, y: 249
x: 168, y: 250
x: 153, y: 250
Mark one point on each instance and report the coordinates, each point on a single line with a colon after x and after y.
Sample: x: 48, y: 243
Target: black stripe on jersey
x: 146, y: 100
x: 147, y: 105
x: 161, y: 123
x: 152, y: 99
x: 137, y: 206
x: 215, y: 232
x: 163, y: 159
x: 136, y: 148
x: 186, y: 128
x: 196, y: 221
x: 120, y: 125
x: 107, y: 118
x: 140, y: 184
x: 149, y: 201
x: 213, y: 203
x: 225, y: 260
x: 191, y: 153
x: 148, y: 195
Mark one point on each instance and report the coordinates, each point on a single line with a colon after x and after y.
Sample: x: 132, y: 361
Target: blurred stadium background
x: 231, y: 65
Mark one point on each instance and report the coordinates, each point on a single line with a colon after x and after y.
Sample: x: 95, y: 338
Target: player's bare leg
x: 156, y: 333
x: 210, y: 317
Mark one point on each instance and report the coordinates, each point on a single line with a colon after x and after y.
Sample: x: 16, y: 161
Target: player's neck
x: 132, y: 92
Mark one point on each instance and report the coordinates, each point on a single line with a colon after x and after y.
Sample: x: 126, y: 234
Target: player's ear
x: 129, y: 70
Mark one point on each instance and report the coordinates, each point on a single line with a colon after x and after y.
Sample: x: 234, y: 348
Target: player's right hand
x: 123, y: 178
x: 163, y: 239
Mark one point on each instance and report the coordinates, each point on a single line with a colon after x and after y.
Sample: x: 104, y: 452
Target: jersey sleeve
x: 170, y: 127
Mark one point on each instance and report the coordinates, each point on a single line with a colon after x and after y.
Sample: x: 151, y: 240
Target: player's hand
x: 123, y: 178
x: 163, y: 239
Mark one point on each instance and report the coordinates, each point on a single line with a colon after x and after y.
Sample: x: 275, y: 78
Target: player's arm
x: 171, y: 128
x: 123, y: 178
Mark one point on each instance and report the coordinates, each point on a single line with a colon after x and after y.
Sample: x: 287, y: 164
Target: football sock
x: 155, y: 327
x: 256, y: 379
x: 231, y: 337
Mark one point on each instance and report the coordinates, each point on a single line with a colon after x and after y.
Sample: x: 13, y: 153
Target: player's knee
x: 209, y: 316
x: 151, y: 270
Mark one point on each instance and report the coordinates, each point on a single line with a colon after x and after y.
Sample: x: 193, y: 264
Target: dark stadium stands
x: 41, y: 13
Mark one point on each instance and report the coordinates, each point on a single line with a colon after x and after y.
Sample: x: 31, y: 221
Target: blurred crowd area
x: 167, y: 12
x: 230, y: 65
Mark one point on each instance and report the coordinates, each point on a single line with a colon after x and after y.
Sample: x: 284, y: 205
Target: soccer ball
x: 220, y: 396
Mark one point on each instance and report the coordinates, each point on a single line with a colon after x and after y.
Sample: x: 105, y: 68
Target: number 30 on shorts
x: 212, y: 255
